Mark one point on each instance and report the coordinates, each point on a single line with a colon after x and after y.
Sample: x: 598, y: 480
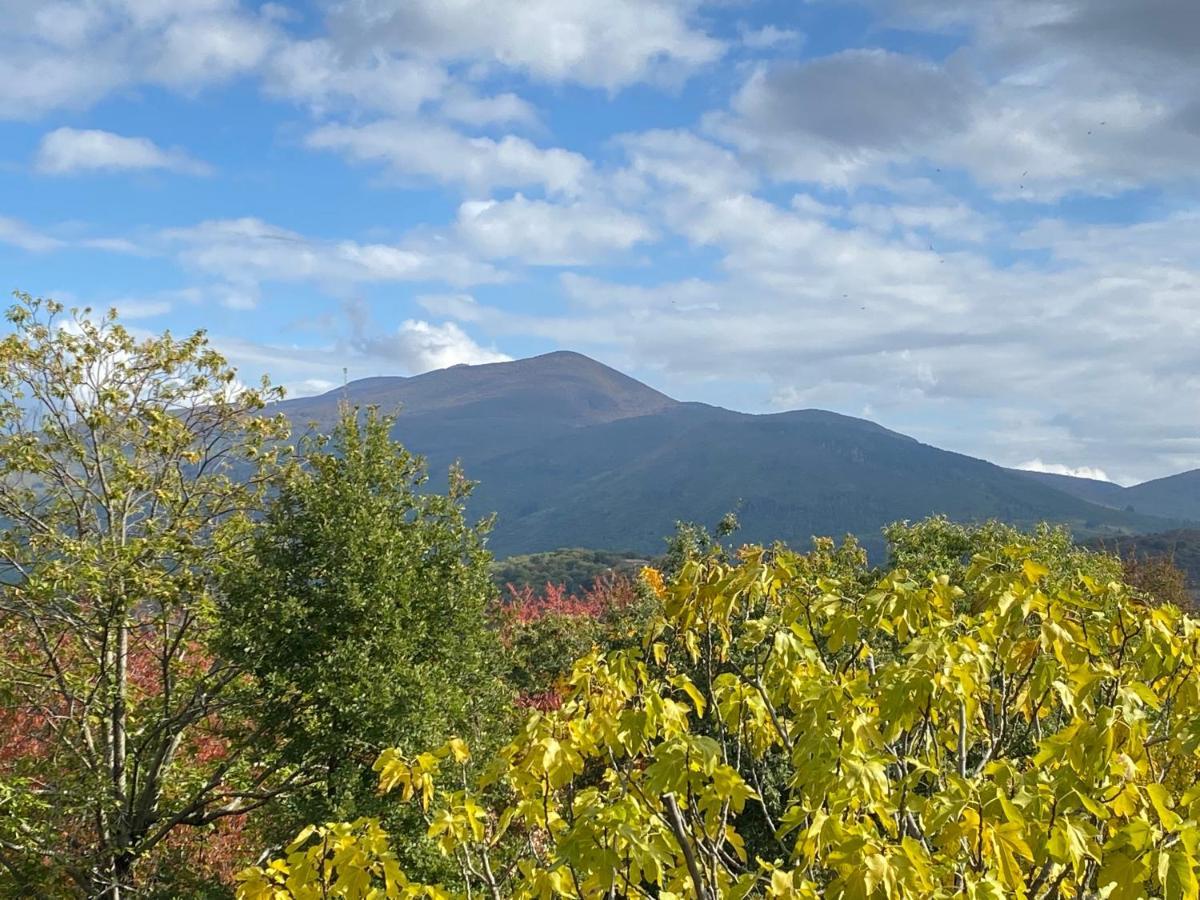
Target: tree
x: 543, y: 633
x: 361, y: 611
x: 128, y: 472
x: 1159, y: 578
x: 1000, y: 729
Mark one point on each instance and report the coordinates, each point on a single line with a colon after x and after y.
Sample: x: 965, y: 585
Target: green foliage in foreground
x: 1015, y: 726
x: 206, y: 638
x: 360, y: 609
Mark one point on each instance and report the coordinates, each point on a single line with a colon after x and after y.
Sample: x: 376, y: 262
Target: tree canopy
x: 360, y: 608
x: 794, y: 725
x: 205, y: 631
x: 128, y: 472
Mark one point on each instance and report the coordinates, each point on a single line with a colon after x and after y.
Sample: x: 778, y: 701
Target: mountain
x: 572, y: 453
x: 1176, y: 496
x: 563, y: 388
x: 1105, y: 493
x: 1172, y: 497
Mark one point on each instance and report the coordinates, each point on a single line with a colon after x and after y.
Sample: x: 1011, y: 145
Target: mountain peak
x: 562, y: 387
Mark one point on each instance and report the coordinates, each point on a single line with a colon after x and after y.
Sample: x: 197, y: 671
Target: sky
x: 974, y: 223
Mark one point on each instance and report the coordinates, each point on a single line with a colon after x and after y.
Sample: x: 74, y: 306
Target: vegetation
x: 1160, y: 555
x: 1003, y: 729
x: 574, y: 570
x: 127, y: 472
x: 204, y: 637
x: 360, y: 610
x: 209, y: 637
x: 544, y: 633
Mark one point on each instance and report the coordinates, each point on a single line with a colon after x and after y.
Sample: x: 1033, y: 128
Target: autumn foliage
x: 544, y: 632
x: 1013, y: 726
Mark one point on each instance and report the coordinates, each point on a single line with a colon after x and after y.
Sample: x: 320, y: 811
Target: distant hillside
x: 1105, y: 493
x: 1181, y: 546
x: 572, y: 453
x: 576, y: 569
x: 1174, y: 497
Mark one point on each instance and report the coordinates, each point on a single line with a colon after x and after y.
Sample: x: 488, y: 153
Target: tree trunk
x: 122, y: 867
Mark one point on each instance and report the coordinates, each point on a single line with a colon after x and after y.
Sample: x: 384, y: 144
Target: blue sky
x: 973, y: 223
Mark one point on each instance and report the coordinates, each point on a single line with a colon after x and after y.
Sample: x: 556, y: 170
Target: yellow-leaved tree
x: 1016, y: 725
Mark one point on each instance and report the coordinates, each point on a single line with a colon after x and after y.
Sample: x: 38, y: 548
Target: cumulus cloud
x: 769, y: 36
x: 315, y: 73
x: 548, y: 234
x: 827, y: 118
x: 414, y: 149
x: 602, y: 43
x: 71, y: 55
x: 318, y: 74
x: 1036, y: 465
x: 1043, y: 98
x: 418, y: 346
x: 68, y: 151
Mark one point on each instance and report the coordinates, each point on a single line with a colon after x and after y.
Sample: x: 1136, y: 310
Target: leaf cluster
x: 1007, y: 727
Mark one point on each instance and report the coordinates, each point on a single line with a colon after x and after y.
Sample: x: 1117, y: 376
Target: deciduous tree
x: 1009, y: 726
x: 361, y: 610
x: 128, y: 472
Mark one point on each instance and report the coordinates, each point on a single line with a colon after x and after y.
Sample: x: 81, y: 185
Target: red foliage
x: 606, y: 595
x: 30, y: 747
x: 597, y: 611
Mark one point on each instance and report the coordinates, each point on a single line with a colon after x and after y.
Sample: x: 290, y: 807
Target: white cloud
x: 665, y: 162
x: 138, y: 309
x: 310, y: 387
x: 247, y: 251
x: 426, y: 150
x: 63, y: 54
x: 67, y: 151
x: 319, y: 75
x: 548, y: 234
x: 601, y: 43
x: 419, y: 346
x: 26, y: 237
x: 314, y: 73
x: 1036, y: 465
x: 1043, y: 98
x: 211, y: 48
x: 833, y: 117
x: 461, y: 307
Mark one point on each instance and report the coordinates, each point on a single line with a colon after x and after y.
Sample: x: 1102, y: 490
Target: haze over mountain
x: 570, y: 452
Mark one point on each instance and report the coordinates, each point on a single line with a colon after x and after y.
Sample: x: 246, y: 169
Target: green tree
x: 128, y: 471
x: 361, y: 610
x: 999, y: 729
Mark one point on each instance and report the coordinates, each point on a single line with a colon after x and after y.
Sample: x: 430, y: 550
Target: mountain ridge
x: 571, y: 452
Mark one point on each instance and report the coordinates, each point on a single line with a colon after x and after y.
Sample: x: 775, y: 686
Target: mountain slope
x: 1173, y: 497
x: 1176, y: 496
x: 1105, y: 493
x: 562, y: 387
x: 572, y: 453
